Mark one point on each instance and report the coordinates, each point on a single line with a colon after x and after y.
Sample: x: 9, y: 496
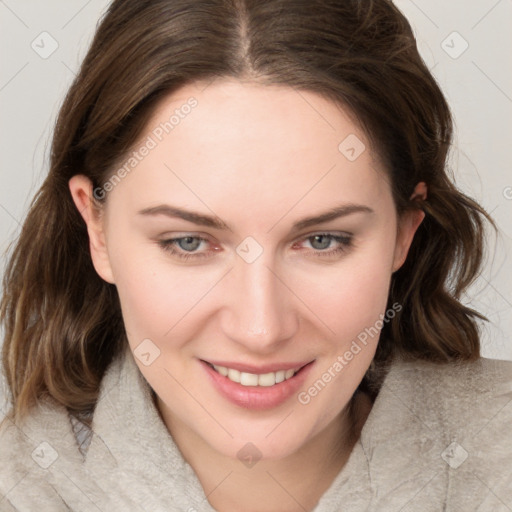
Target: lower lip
x: 257, y: 397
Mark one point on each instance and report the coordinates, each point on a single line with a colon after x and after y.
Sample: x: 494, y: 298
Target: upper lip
x: 259, y: 369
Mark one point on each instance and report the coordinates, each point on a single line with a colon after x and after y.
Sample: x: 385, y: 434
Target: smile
x: 258, y: 389
x: 254, y: 379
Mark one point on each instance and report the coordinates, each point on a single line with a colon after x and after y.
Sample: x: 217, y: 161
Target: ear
x: 408, y: 223
x: 81, y: 191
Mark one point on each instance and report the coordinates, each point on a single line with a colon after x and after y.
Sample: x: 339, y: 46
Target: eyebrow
x: 213, y: 221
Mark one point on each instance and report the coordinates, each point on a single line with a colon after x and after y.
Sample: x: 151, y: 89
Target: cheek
x: 350, y: 297
x: 153, y: 295
x: 353, y: 309
x: 364, y: 296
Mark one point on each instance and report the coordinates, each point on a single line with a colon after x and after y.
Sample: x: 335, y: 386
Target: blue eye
x: 321, y: 243
x: 184, y: 247
x: 188, y: 243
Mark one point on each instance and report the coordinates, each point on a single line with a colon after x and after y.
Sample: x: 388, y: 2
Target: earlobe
x: 81, y: 191
x: 408, y: 225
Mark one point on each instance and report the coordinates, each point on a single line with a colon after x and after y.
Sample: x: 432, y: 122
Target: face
x: 257, y: 234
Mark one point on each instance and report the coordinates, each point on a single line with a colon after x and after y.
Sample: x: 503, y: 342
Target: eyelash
x: 345, y: 242
x: 170, y: 244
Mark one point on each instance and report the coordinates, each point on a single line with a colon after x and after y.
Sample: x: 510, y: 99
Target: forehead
x: 255, y: 146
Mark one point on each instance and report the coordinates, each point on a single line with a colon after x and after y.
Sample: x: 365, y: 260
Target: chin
x: 275, y: 438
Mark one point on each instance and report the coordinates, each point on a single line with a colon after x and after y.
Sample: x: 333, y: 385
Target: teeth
x: 234, y: 375
x: 266, y: 379
x: 280, y: 376
x: 252, y: 379
x: 248, y: 379
x: 222, y: 370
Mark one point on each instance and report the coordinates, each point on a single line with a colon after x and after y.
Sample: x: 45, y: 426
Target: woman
x: 238, y: 288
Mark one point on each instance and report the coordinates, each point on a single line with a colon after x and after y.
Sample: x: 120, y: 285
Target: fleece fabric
x: 438, y: 438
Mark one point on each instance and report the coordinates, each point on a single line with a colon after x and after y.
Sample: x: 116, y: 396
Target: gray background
x: 465, y: 43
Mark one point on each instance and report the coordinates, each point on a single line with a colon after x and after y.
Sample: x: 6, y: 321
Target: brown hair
x: 63, y: 323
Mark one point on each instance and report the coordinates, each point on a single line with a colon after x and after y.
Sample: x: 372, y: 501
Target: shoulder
x: 479, y: 382
x: 458, y: 395
x: 36, y: 456
x: 480, y: 375
x: 460, y: 414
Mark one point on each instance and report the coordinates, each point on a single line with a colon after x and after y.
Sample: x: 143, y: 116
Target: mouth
x: 257, y: 389
x: 255, y: 379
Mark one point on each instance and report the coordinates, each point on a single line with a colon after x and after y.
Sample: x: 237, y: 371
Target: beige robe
x: 438, y: 438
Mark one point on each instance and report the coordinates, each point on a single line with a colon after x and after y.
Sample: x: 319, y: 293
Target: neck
x: 274, y: 484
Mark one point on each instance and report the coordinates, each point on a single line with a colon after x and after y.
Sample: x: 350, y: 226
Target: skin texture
x: 260, y: 158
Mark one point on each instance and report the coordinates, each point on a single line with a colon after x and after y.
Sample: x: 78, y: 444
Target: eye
x: 328, y: 244
x: 320, y: 242
x: 189, y: 243
x: 185, y: 247
x: 322, y: 245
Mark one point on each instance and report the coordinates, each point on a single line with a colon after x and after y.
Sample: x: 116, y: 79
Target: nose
x: 258, y: 308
